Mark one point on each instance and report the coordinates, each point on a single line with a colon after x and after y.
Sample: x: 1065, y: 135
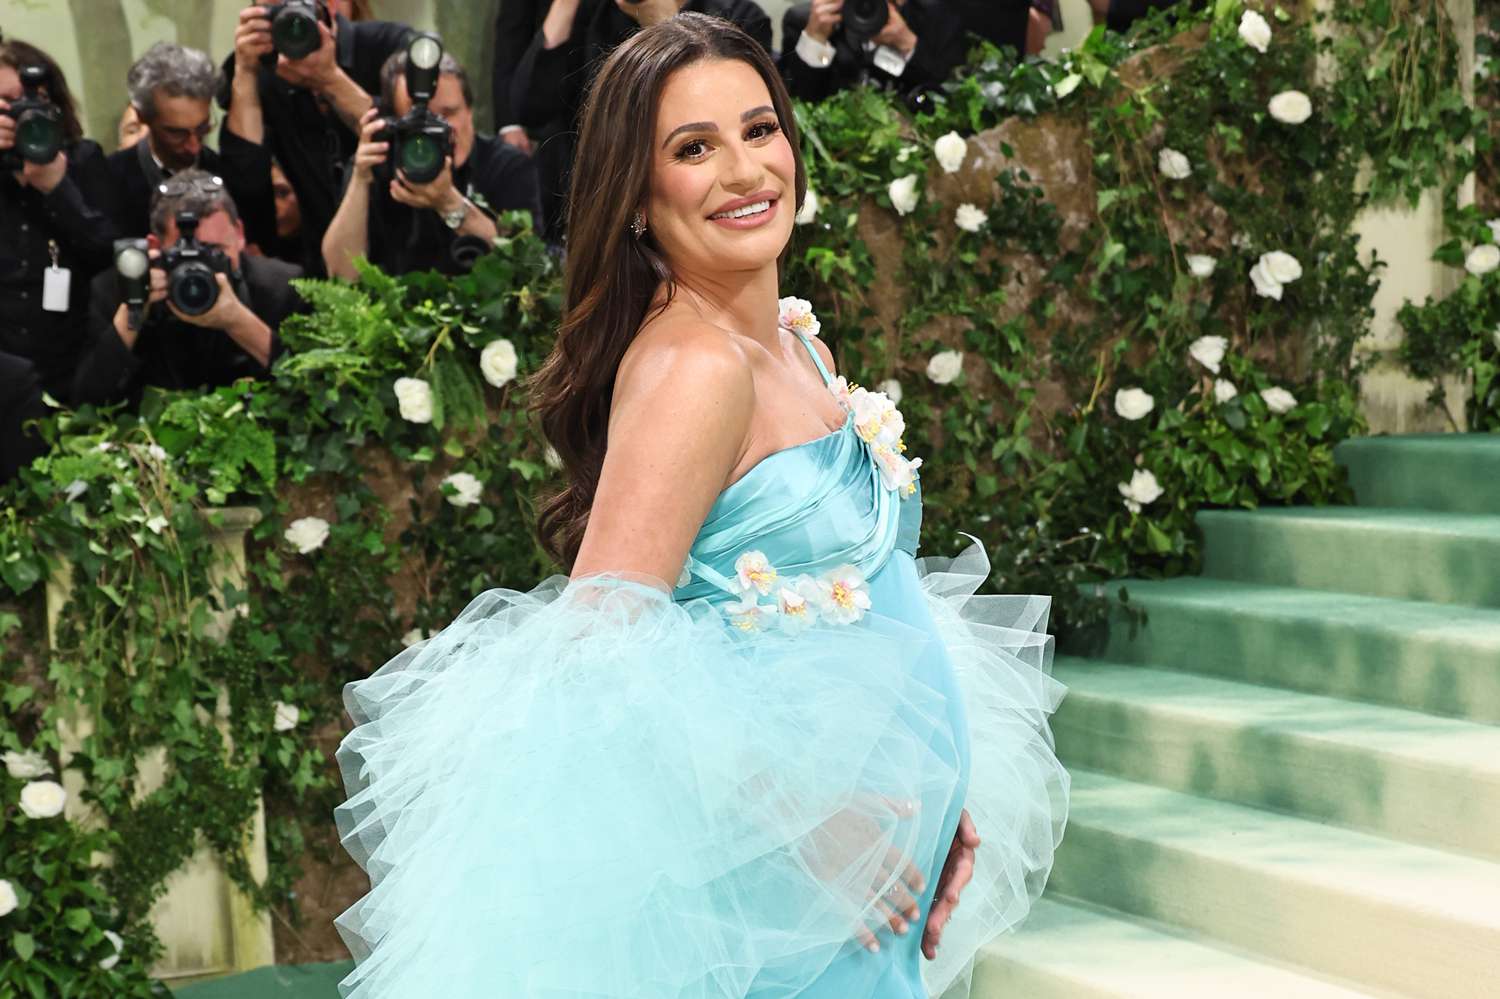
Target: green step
x: 1071, y: 950
x: 1459, y: 473
x: 1406, y: 554
x: 281, y: 981
x: 1381, y: 914
x: 1436, y: 658
x: 1415, y: 777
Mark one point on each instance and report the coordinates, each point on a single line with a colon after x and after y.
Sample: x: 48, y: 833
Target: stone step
x: 1406, y: 554
x: 1453, y: 472
x: 1071, y: 950
x: 1411, y: 776
x: 1436, y: 658
x: 1381, y: 914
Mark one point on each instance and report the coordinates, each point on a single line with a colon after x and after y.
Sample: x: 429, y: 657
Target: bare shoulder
x: 686, y: 368
x: 824, y: 353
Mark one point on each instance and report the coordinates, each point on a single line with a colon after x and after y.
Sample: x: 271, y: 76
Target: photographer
x: 829, y: 45
x: 231, y: 338
x: 20, y: 402
x: 403, y: 225
x: 55, y: 228
x: 303, y: 109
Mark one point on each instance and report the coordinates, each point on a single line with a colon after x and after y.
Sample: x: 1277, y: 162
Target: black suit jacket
x: 1003, y: 22
x: 516, y: 24
x: 941, y: 47
x: 172, y: 354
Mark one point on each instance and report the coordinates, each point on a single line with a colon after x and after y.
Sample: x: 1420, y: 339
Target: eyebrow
x: 708, y: 126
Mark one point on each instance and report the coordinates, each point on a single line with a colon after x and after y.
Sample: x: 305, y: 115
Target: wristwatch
x: 455, y: 218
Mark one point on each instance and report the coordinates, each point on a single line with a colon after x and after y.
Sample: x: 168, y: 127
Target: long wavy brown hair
x: 611, y: 276
x: 18, y: 55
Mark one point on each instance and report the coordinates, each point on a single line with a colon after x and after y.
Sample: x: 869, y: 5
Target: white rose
x: 497, y: 362
x: 1265, y: 285
x: 809, y: 209
x: 43, y: 799
x: 26, y: 765
x: 414, y: 399
x: 951, y: 150
x: 285, y: 717
x: 1173, y: 165
x: 306, y: 534
x: 119, y: 945
x: 1281, y: 266
x: 1133, y: 403
x: 1291, y: 107
x: 1066, y: 85
x: 1209, y: 351
x: 467, y: 489
x: 1201, y: 266
x: 8, y: 900
x: 1278, y: 400
x: 945, y: 366
x: 904, y: 195
x: 1254, y: 31
x: 970, y: 218
x: 1224, y: 390
x: 1482, y: 259
x: 1141, y: 490
x: 892, y: 390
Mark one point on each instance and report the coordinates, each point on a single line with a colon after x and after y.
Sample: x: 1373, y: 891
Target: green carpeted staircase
x: 1287, y: 782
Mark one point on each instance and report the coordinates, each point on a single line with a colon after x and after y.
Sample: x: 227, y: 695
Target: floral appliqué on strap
x: 839, y: 596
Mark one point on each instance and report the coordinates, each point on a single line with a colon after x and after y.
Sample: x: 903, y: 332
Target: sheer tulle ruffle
x: 586, y: 790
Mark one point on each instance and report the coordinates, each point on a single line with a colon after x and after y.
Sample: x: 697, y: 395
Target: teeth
x: 739, y: 213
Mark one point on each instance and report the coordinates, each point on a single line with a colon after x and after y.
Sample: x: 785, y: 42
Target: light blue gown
x: 598, y: 790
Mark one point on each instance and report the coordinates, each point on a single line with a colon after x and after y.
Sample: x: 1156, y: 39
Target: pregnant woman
x: 736, y: 751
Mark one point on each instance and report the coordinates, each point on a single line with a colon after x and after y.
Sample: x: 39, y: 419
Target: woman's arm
x: 679, y: 422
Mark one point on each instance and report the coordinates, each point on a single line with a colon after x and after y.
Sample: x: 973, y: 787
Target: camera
x: 190, y: 265
x: 294, y: 28
x: 863, y: 19
x: 39, y: 124
x: 420, y: 140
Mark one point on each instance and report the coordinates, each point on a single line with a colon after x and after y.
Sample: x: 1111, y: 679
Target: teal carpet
x: 282, y: 981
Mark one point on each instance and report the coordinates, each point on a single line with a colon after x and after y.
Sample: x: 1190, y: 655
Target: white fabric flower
x: 1209, y: 351
x: 8, y: 899
x: 1291, y: 107
x: 848, y: 595
x: 945, y: 366
x: 892, y: 390
x: 466, y: 488
x: 119, y: 944
x: 809, y: 209
x: 843, y: 392
x: 1224, y: 390
x: 1067, y: 85
x: 1255, y: 31
x: 498, y: 362
x: 797, y: 314
x: 1278, y: 400
x: 1201, y: 265
x: 43, y: 799
x: 156, y: 524
x: 876, y: 418
x: 1141, y: 490
x: 285, y: 717
x: 1482, y: 259
x: 1133, y: 403
x: 26, y: 764
x: 896, y: 470
x: 904, y: 194
x: 797, y: 604
x: 1173, y: 165
x: 970, y: 218
x: 414, y: 400
x: 753, y: 572
x: 748, y: 613
x: 951, y: 150
x: 306, y: 534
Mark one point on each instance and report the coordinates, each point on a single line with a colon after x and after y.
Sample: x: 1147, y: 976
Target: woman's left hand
x: 957, y: 871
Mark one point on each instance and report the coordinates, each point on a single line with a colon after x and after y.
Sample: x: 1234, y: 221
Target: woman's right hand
x: 370, y: 153
x: 840, y: 844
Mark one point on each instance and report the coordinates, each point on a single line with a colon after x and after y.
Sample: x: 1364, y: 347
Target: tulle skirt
x: 587, y: 790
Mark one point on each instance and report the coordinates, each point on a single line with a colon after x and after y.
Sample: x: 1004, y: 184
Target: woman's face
x: 723, y: 178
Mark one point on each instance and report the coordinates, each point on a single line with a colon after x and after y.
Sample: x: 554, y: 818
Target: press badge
x: 57, y: 282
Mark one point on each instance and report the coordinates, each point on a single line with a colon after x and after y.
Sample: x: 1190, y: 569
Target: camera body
x: 420, y: 141
x: 864, y: 19
x: 191, y: 267
x: 294, y: 28
x: 39, y: 124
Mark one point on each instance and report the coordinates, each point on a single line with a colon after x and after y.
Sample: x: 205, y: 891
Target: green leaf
x: 78, y: 920
x: 23, y: 945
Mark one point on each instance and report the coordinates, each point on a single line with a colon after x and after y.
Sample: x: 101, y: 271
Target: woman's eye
x: 764, y: 129
x: 691, y: 150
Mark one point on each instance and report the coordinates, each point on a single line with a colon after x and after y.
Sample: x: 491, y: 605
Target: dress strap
x: 703, y: 570
x: 807, y: 342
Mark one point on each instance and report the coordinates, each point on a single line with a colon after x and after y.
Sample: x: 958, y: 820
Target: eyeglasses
x: 176, y: 187
x: 177, y: 134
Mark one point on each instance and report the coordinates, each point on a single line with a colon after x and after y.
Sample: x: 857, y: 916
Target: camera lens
x: 865, y: 18
x: 421, y: 158
x: 193, y: 289
x: 295, y: 34
x: 38, y: 137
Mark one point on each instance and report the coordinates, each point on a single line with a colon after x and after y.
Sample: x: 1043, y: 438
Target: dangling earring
x: 638, y: 225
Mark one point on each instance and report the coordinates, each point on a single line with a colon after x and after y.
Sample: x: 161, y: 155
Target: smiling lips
x: 747, y: 213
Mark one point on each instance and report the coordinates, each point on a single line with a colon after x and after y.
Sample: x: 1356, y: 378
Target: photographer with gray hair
x: 172, y: 89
